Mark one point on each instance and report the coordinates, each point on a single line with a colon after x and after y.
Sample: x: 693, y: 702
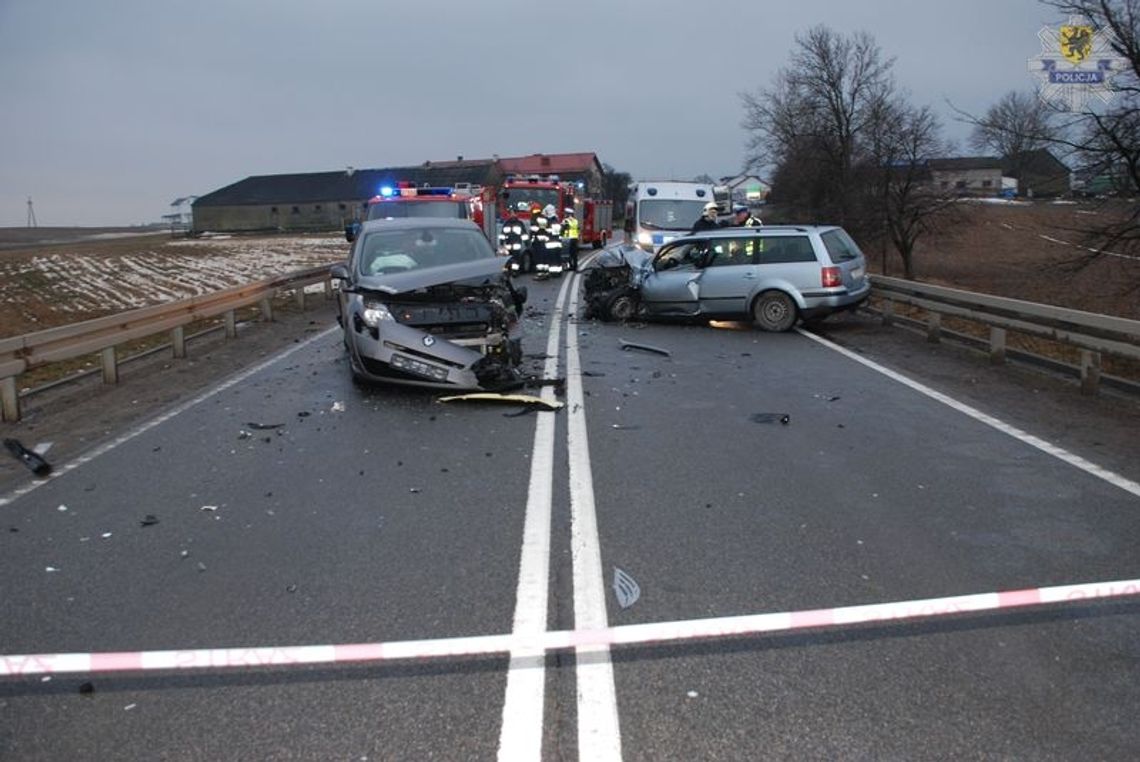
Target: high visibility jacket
x: 570, y: 228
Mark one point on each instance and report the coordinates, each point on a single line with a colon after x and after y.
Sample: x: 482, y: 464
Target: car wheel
x: 774, y: 311
x: 621, y: 306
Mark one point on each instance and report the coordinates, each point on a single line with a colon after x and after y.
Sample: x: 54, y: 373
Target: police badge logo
x: 1076, y: 42
x: 1077, y: 63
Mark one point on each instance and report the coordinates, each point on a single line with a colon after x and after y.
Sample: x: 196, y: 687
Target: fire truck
x: 405, y: 199
x: 595, y: 216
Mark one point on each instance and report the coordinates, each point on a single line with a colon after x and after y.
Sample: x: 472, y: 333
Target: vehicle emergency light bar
x: 407, y: 190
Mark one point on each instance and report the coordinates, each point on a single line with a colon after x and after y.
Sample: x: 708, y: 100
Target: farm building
x: 970, y: 175
x: 1039, y: 173
x: 322, y: 201
x: 318, y: 201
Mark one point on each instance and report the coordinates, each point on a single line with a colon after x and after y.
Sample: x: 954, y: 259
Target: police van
x: 658, y: 212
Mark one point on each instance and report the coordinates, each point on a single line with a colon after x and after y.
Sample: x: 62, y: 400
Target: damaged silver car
x: 426, y: 302
x: 772, y: 275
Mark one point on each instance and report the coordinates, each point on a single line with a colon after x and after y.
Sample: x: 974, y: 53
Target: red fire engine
x: 595, y: 216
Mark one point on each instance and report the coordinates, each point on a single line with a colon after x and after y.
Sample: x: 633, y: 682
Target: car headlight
x: 374, y: 312
x: 644, y: 237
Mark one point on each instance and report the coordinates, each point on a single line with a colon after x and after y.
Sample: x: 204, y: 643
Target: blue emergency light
x: 386, y: 191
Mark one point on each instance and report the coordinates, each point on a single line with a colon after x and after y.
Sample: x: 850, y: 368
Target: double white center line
x: 599, y: 735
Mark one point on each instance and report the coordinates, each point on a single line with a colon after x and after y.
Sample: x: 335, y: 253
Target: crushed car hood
x: 639, y: 261
x: 481, y: 272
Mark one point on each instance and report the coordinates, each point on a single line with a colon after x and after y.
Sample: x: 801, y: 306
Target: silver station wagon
x: 772, y: 275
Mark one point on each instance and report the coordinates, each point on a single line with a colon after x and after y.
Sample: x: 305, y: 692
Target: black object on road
x: 783, y: 418
x: 627, y: 345
x: 29, y: 458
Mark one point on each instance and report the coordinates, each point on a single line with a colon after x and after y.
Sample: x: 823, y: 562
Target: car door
x: 729, y: 276
x: 672, y: 288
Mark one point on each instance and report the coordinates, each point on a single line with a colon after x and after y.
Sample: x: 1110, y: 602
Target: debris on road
x: 522, y: 399
x: 29, y: 458
x: 50, y: 569
x: 148, y: 520
x: 592, y: 374
x: 201, y: 566
x: 210, y: 508
x: 86, y: 689
x: 62, y: 509
x: 623, y: 427
x: 625, y: 588
x: 263, y: 426
x: 338, y: 407
x: 628, y: 345
x: 519, y: 413
x: 783, y: 418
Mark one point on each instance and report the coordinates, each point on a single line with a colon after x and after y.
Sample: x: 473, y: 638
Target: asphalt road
x: 382, y: 515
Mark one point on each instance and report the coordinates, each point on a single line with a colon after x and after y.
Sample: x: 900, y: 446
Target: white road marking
x: 1049, y: 448
x: 520, y: 737
x: 599, y: 730
x: 108, y: 446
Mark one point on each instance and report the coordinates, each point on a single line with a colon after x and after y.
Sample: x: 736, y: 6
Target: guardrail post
x: 178, y: 341
x: 299, y: 297
x: 1090, y: 371
x: 934, y: 328
x: 997, y: 345
x: 266, y: 310
x: 231, y: 324
x: 110, y: 366
x: 9, y: 399
x: 887, y: 314
x: 328, y: 289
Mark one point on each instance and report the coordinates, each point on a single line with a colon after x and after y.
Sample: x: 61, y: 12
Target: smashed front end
x: 454, y: 334
x: 611, y: 283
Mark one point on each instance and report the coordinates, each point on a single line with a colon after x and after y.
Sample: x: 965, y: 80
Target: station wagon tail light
x: 830, y: 277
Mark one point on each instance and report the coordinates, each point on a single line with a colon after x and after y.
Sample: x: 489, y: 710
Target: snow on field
x: 83, y: 280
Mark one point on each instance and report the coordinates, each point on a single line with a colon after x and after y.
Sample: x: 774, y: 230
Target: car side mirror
x: 338, y: 272
x: 351, y: 230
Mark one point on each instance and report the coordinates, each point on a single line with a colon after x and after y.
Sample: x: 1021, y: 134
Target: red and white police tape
x: 560, y: 640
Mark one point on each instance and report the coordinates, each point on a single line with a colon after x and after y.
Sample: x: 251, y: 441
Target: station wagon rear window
x: 840, y: 246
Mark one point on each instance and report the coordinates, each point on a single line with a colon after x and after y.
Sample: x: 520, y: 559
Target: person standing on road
x: 707, y: 221
x: 570, y: 232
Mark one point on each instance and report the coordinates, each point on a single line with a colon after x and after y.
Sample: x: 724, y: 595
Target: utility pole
x: 31, y: 214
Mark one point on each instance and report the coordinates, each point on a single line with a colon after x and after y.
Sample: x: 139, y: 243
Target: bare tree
x: 1014, y: 127
x: 818, y: 108
x: 902, y: 139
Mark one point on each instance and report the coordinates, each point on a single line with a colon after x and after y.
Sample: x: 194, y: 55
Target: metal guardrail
x: 19, y: 354
x: 1091, y: 333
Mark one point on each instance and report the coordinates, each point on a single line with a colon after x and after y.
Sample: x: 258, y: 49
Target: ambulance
x: 658, y: 212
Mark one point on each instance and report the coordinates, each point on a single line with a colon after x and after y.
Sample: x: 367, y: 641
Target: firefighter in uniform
x: 570, y: 233
x: 515, y: 236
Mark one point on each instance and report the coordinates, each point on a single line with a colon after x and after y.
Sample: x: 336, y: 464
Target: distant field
x: 72, y: 275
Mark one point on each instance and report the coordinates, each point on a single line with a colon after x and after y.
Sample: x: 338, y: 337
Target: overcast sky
x: 112, y: 109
